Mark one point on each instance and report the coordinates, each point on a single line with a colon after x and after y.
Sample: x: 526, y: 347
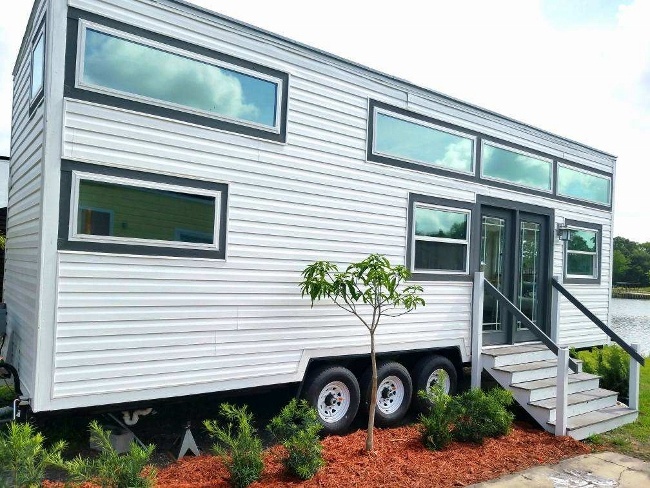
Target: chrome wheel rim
x: 435, y: 379
x: 390, y: 395
x: 333, y: 402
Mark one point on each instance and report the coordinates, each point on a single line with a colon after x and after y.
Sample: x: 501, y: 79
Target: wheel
x: 394, y: 392
x: 334, y: 392
x: 427, y: 372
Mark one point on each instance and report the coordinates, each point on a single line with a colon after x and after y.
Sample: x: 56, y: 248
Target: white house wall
x: 134, y: 327
x: 22, y: 253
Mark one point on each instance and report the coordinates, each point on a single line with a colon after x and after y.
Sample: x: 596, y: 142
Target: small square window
x: 440, y: 239
x: 582, y: 255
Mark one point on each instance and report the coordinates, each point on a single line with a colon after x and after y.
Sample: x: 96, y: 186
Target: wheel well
x: 359, y: 363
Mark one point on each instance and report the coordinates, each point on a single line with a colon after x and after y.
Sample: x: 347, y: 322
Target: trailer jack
x: 18, y: 409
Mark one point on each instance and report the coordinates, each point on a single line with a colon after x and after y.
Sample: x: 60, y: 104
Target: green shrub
x: 111, y: 469
x: 297, y: 427
x: 611, y: 363
x: 305, y: 454
x: 238, y: 444
x: 478, y: 414
x: 296, y: 416
x: 437, y: 423
x: 7, y: 394
x: 23, y: 457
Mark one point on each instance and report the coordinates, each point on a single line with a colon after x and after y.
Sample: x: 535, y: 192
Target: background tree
x: 370, y: 289
x: 631, y: 262
x: 621, y: 265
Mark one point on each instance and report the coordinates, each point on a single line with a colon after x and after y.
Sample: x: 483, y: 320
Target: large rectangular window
x: 134, y: 69
x: 114, y: 210
x: 574, y: 183
x: 120, y: 210
x: 139, y: 68
x: 404, y: 138
x: 440, y: 239
x: 512, y: 166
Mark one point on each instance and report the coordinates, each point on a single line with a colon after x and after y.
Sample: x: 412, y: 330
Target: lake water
x: 631, y: 320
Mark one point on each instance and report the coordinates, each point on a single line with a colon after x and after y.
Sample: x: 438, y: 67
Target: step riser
x: 519, y: 358
x: 601, y: 427
x: 530, y: 373
x: 534, y: 374
x: 577, y: 408
x: 551, y: 391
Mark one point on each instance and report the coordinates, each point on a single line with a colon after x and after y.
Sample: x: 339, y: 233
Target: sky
x: 578, y: 68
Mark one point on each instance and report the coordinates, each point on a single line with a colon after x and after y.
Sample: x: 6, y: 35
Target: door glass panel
x: 528, y: 292
x: 492, y: 258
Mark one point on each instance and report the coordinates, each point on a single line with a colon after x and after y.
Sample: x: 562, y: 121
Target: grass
x: 632, y: 439
x: 631, y: 290
x: 6, y: 394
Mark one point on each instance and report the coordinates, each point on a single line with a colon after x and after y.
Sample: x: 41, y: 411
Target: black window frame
x: 36, y: 101
x: 73, y: 91
x: 472, y: 255
x: 476, y: 175
x: 65, y: 202
x: 585, y: 171
x: 590, y: 226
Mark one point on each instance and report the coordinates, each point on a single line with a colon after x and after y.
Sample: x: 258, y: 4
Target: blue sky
x: 578, y: 68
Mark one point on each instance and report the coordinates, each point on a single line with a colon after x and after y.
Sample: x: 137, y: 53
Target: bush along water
x: 236, y: 441
x: 471, y: 416
x: 23, y: 456
x: 612, y: 364
x: 296, y: 427
x: 111, y: 469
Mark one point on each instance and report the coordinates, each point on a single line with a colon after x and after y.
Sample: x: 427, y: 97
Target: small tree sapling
x: 370, y: 289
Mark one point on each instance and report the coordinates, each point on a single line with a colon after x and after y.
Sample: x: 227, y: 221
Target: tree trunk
x: 373, y: 395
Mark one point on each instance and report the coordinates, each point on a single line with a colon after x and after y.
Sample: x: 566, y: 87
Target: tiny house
x: 174, y: 170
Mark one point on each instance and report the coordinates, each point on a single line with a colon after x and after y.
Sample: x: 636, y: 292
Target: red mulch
x: 399, y: 458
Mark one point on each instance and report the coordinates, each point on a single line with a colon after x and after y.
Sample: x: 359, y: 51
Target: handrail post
x: 562, y: 391
x: 555, y: 312
x: 477, y: 327
x: 633, y: 392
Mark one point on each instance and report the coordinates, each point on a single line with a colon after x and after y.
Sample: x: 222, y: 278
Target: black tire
x: 385, y: 370
x: 323, y: 378
x: 422, y: 372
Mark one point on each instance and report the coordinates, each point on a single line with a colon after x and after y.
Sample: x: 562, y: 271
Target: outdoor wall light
x: 563, y: 232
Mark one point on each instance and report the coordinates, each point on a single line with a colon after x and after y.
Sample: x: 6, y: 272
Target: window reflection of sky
x: 518, y: 168
x: 142, y: 70
x: 581, y: 185
x: 38, y: 61
x: 407, y: 140
x: 440, y: 223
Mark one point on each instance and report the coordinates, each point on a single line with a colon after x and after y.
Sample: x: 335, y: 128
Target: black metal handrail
x: 613, y: 335
x: 546, y: 340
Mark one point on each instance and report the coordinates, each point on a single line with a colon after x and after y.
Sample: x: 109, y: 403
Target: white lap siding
x: 22, y: 253
x: 131, y: 327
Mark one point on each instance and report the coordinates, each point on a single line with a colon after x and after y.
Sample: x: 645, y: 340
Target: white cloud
x: 12, y: 26
x: 590, y: 83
